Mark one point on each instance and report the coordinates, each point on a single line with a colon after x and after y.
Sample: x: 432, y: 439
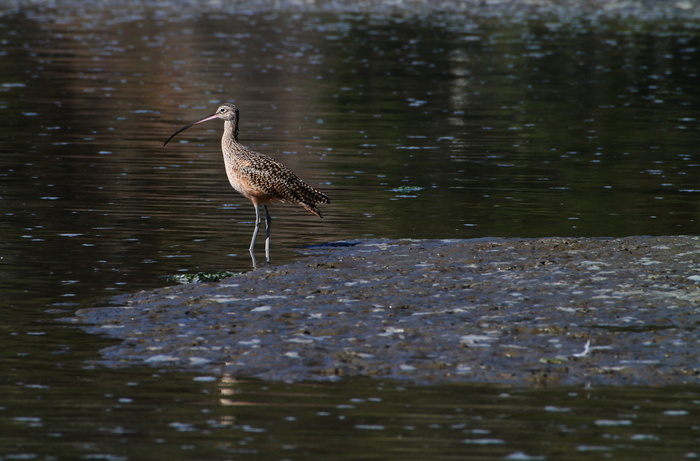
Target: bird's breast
x: 243, y: 178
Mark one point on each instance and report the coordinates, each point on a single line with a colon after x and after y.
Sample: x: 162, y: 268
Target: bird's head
x: 227, y: 112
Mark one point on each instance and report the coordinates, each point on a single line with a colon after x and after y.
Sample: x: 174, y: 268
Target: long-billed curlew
x: 259, y: 178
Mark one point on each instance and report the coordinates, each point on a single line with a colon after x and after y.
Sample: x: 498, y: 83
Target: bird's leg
x: 268, y: 223
x: 253, y: 260
x: 257, y: 226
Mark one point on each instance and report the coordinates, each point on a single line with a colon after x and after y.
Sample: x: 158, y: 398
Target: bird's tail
x: 310, y: 198
x: 312, y: 208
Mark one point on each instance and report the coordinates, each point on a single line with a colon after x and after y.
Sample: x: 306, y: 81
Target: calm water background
x: 416, y: 126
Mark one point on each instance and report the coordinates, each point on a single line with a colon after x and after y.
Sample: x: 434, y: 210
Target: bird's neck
x: 230, y: 131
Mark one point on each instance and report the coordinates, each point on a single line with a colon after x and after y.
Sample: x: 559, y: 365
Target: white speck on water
x: 370, y: 427
x: 182, y: 427
x: 644, y: 437
x: 520, y: 456
x: 248, y: 428
x: 675, y: 413
x: 592, y: 448
x: 555, y: 409
x: 484, y: 441
x: 613, y: 422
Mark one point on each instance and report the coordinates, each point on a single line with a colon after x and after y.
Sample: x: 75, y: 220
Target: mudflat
x: 532, y: 312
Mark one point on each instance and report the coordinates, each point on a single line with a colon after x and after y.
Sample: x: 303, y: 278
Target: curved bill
x: 202, y: 120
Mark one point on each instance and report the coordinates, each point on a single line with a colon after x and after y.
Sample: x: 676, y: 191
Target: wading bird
x: 259, y: 178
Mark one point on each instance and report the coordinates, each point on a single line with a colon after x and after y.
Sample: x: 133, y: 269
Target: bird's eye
x: 222, y: 110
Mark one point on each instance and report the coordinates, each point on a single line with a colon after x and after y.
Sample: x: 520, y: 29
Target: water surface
x: 438, y: 126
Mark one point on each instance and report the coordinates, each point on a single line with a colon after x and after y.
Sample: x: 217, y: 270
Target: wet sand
x: 526, y: 312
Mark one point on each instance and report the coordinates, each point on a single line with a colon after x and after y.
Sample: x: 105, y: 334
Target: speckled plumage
x: 258, y: 177
x: 261, y: 178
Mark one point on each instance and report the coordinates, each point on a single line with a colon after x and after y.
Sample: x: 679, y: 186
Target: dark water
x: 445, y: 126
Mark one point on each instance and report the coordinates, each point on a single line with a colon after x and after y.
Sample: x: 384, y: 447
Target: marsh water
x: 416, y: 125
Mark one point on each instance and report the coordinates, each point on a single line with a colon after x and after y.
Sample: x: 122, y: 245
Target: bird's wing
x: 274, y: 180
